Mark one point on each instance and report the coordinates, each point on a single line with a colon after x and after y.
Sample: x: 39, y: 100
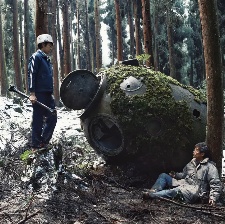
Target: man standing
x: 40, y: 81
x: 198, y: 181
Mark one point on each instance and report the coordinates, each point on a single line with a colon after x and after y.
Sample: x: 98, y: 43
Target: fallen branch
x: 28, y: 217
x: 199, y: 209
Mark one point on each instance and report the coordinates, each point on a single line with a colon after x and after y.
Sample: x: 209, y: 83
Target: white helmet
x: 44, y: 38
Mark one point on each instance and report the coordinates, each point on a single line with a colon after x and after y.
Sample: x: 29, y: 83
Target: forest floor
x: 86, y: 191
x: 108, y: 197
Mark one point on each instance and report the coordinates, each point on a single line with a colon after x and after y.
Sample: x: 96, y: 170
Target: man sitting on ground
x: 198, y: 181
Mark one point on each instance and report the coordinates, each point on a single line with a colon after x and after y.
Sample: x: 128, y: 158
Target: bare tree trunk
x: 192, y: 71
x: 26, y: 40
x: 131, y: 25
x: 61, y: 56
x: 78, y: 36
x: 17, y: 68
x: 97, y: 37
x: 147, y: 31
x: 41, y: 19
x: 21, y: 44
x: 155, y: 35
x: 66, y: 39
x: 137, y: 28
x: 72, y: 51
x: 3, y: 78
x: 119, y: 31
x: 54, y: 54
x: 87, y: 37
x: 213, y: 63
x: 170, y: 43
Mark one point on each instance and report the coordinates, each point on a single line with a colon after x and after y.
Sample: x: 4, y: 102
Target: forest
x: 169, y: 31
x: 184, y: 40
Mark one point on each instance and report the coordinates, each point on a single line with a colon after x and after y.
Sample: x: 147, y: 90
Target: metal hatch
x: 78, y: 89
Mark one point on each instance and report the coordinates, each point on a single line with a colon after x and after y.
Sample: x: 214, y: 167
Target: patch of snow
x: 15, y: 117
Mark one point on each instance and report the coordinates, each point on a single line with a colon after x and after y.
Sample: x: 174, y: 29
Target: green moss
x: 25, y: 155
x: 134, y: 112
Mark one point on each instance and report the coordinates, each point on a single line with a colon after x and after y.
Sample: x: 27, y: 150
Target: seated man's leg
x: 170, y: 193
x: 164, y: 180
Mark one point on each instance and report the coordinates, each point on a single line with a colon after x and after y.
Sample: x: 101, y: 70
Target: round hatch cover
x: 78, y: 89
x: 131, y: 84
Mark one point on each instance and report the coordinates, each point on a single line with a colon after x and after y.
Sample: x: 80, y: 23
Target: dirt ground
x: 102, y: 195
x: 96, y: 194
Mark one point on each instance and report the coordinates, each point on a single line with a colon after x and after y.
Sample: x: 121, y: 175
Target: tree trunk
x: 155, y: 35
x: 213, y: 63
x: 78, y: 36
x: 192, y: 71
x: 41, y: 19
x: 17, y: 68
x: 21, y: 44
x: 170, y: 43
x: 54, y: 54
x: 119, y: 31
x: 26, y: 40
x: 3, y: 78
x: 137, y: 28
x: 61, y: 56
x: 66, y: 39
x: 147, y: 31
x: 97, y: 37
x: 88, y: 61
x: 131, y: 26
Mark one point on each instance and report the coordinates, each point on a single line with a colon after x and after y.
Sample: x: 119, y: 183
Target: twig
x: 201, y: 209
x: 28, y: 217
x: 154, y: 218
x: 30, y: 203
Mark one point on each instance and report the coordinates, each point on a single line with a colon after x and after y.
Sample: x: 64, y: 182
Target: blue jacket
x: 40, y: 75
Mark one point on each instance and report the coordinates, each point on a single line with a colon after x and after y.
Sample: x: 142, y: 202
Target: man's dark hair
x: 44, y: 43
x: 203, y: 148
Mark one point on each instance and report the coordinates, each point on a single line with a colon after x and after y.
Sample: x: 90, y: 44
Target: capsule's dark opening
x: 196, y: 113
x: 106, y: 135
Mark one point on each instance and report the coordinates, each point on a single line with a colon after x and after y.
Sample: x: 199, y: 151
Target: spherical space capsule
x: 132, y: 113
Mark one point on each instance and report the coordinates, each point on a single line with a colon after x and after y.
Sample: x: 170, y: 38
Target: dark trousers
x: 164, y: 181
x: 44, y: 121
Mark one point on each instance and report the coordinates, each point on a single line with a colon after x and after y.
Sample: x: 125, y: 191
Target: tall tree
x: 221, y: 15
x: 78, y: 36
x: 16, y: 57
x: 3, y: 77
x: 41, y: 19
x: 195, y: 47
x: 54, y: 54
x: 98, y: 37
x: 26, y: 40
x: 66, y: 38
x: 155, y: 34
x: 61, y: 56
x: 119, y: 31
x: 110, y: 20
x: 137, y: 27
x: 131, y: 26
x: 170, y: 39
x: 213, y: 63
x: 147, y: 31
x: 87, y: 39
